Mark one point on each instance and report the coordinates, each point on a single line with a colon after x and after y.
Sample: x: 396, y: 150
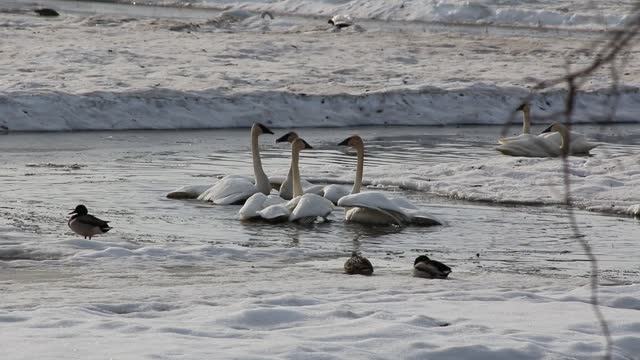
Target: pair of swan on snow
x: 554, y: 141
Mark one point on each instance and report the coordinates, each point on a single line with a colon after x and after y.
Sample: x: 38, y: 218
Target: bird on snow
x: 86, y: 225
x: 426, y: 268
x: 46, y: 12
x: 357, y: 264
x: 341, y: 21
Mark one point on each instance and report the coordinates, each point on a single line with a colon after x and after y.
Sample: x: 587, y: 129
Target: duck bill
x: 72, y: 212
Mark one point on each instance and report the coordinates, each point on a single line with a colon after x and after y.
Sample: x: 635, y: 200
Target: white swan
x: 376, y: 207
x: 258, y: 201
x: 578, y: 143
x: 303, y: 208
x: 330, y: 192
x: 538, y: 146
x: 234, y: 189
x: 526, y: 125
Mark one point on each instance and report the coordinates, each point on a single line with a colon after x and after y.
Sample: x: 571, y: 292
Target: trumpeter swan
x: 330, y: 192
x: 376, y: 207
x: 86, y: 225
x: 234, y: 189
x: 538, y: 146
x: 578, y: 143
x: 303, y: 208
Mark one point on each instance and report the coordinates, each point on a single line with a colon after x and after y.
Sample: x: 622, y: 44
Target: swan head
x: 260, y: 129
x: 524, y: 107
x: 288, y: 137
x: 353, y: 141
x: 299, y: 144
x: 421, y: 258
x: 80, y: 210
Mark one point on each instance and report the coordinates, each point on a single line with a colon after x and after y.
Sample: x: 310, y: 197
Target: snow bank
x: 172, y: 109
x: 567, y: 13
x: 101, y: 72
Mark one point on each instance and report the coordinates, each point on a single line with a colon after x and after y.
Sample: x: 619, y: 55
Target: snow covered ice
x: 179, y: 279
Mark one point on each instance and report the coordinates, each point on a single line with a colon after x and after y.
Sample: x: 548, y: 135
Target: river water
x: 124, y: 176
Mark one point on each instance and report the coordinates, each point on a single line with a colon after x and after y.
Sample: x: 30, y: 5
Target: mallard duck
x: 46, y: 12
x: 87, y: 225
x: 358, y: 265
x: 341, y: 21
x: 426, y: 268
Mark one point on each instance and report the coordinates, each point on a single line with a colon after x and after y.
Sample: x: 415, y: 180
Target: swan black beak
x: 345, y: 142
x: 547, y: 130
x: 283, y: 138
x: 521, y: 107
x: 306, y: 145
x: 265, y: 130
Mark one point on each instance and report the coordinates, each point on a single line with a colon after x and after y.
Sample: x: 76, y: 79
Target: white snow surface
x: 103, y: 71
x: 244, y: 306
x: 538, y: 13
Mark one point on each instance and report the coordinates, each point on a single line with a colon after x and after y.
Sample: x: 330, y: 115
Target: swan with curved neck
x: 564, y: 134
x: 375, y: 207
x: 526, y: 124
x: 539, y: 146
x: 303, y: 208
x: 330, y: 192
x: 233, y: 189
x: 286, y: 188
x: 578, y: 143
x: 306, y: 207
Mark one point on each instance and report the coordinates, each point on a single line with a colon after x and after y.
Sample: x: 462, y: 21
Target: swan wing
x: 310, y: 205
x: 251, y: 207
x: 188, y: 192
x: 312, y: 189
x: 333, y: 193
x: 403, y: 202
x: 229, y: 190
x: 275, y: 212
x: 514, y: 138
x: 371, y: 200
x: 533, y: 146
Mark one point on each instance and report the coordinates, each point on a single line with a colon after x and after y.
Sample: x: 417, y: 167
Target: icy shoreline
x: 174, y: 109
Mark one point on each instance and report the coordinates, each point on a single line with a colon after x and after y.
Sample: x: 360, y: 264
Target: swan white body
x: 234, y: 189
x: 303, y: 208
x: 256, y: 203
x: 578, y: 143
x: 188, y: 191
x: 377, y: 208
x: 538, y: 146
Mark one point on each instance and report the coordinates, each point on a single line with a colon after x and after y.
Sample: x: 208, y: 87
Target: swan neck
x: 262, y: 181
x: 526, y: 121
x: 359, y: 170
x: 564, y: 133
x: 295, y: 170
